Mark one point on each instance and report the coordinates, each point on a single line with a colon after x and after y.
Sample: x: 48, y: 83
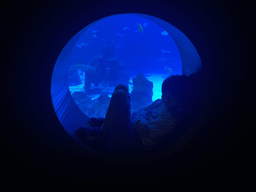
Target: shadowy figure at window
x: 122, y: 133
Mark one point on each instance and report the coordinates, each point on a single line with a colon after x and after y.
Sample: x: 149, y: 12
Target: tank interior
x: 137, y: 50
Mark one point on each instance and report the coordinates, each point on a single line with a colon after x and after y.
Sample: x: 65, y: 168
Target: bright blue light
x: 138, y: 44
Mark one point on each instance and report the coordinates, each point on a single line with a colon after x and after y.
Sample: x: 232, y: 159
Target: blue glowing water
x: 137, y: 44
x: 157, y: 80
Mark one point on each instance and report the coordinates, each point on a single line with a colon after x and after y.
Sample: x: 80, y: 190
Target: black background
x: 34, y: 142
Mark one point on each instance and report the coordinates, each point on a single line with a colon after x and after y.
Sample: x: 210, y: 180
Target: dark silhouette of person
x: 144, y: 129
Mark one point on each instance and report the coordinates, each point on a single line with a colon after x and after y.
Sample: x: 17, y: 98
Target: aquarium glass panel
x: 120, y: 49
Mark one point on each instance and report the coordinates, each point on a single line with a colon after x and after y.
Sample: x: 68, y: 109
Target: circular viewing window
x: 115, y: 50
x: 137, y: 50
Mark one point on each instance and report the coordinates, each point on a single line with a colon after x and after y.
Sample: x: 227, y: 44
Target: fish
x: 104, y: 89
x: 125, y: 28
x: 108, y: 89
x: 166, y: 51
x: 80, y: 45
x: 140, y: 28
x: 169, y: 70
x: 145, y: 24
x: 84, y: 44
x: 162, y: 59
x: 119, y: 35
x: 96, y: 96
x: 94, y: 36
x: 164, y: 33
x: 94, y: 31
x: 83, y: 67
